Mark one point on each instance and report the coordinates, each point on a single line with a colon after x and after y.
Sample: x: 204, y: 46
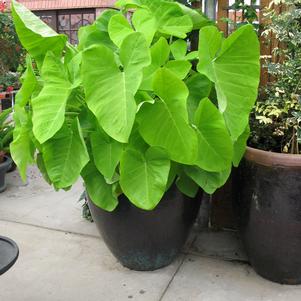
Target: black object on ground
x: 9, y: 253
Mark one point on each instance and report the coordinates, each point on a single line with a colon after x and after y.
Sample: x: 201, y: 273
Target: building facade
x: 67, y: 16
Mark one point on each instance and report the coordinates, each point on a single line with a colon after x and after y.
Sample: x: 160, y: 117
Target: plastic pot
x: 147, y: 240
x: 4, y: 167
x: 268, y: 203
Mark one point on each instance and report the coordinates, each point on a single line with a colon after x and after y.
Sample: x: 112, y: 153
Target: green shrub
x: 127, y: 110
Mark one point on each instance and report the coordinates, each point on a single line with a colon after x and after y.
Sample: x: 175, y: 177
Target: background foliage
x: 276, y: 120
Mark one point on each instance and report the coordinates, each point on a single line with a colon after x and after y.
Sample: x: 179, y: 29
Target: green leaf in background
x: 100, y: 193
x: 36, y: 37
x: 167, y: 17
x: 143, y: 176
x: 165, y: 123
x: 106, y: 153
x: 65, y: 155
x: 144, y: 22
x: 187, y: 186
x: 199, y: 20
x: 235, y: 70
x: 199, y: 87
x: 109, y: 91
x: 210, y: 41
x: 29, y: 83
x: 208, y: 181
x: 239, y: 146
x: 159, y: 56
x: 179, y: 68
x: 49, y: 106
x: 215, y: 149
x: 119, y: 28
x: 134, y: 55
x: 97, y: 33
x: 179, y: 49
x: 22, y: 148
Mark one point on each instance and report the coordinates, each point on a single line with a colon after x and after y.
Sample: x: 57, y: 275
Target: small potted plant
x: 269, y: 201
x: 6, y: 133
x: 126, y: 111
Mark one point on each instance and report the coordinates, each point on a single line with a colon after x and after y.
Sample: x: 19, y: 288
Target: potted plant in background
x: 145, y: 128
x: 6, y: 135
x: 269, y: 201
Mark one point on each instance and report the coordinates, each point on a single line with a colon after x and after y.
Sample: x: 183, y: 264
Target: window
x: 68, y: 22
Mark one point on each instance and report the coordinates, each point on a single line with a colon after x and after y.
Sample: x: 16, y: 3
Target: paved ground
x: 63, y: 258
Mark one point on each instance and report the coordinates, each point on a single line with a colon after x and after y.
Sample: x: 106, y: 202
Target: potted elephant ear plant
x: 6, y: 135
x: 126, y: 111
x: 269, y: 201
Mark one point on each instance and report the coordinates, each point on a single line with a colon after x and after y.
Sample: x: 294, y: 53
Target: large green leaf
x: 239, y: 146
x: 179, y: 67
x: 167, y: 17
x: 22, y: 148
x: 98, y: 190
x: 106, y: 152
x: 29, y: 83
x: 97, y: 33
x: 109, y: 91
x: 119, y: 28
x: 65, y: 155
x: 143, y: 176
x: 215, y: 149
x: 144, y: 22
x: 199, y: 87
x: 36, y: 37
x: 186, y: 185
x: 235, y: 70
x: 159, y: 56
x: 165, y: 123
x: 179, y: 49
x: 209, y: 181
x: 49, y: 106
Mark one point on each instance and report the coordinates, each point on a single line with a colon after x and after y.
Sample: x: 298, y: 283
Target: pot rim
x: 6, y: 162
x: 268, y: 158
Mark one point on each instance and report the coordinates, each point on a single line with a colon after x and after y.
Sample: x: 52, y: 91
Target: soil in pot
x: 268, y: 203
x: 4, y: 167
x: 148, y: 240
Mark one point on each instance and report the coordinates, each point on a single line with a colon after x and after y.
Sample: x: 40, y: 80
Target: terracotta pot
x: 147, y: 240
x: 268, y: 204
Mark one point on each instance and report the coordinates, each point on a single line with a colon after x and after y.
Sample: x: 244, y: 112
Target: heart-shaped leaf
x: 215, y: 149
x: 165, y: 123
x: 49, y: 106
x: 65, y: 155
x: 36, y: 37
x: 143, y: 176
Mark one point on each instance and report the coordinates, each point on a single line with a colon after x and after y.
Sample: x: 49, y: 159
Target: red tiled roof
x: 64, y: 4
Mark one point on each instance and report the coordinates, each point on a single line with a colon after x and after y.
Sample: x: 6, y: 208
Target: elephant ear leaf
x: 22, y: 148
x: 49, y: 106
x: 208, y: 181
x: 165, y: 123
x: 143, y: 176
x: 110, y: 92
x: 36, y: 37
x: 106, y: 152
x: 235, y: 70
x: 98, y: 190
x: 215, y: 149
x: 65, y: 155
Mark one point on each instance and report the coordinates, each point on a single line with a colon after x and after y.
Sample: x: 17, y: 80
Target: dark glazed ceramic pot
x: 268, y: 203
x: 4, y: 167
x: 147, y: 240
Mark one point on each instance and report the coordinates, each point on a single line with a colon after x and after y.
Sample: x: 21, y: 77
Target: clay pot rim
x: 273, y: 159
